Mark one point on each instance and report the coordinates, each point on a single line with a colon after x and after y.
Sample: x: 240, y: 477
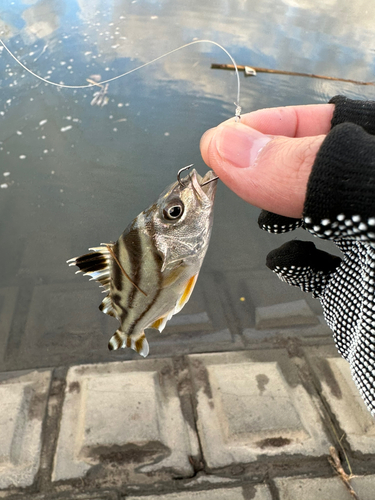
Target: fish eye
x: 173, y: 210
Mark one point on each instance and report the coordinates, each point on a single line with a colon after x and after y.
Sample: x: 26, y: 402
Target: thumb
x: 270, y: 172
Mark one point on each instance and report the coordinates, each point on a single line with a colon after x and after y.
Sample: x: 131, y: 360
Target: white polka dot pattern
x: 342, y: 226
x: 282, y: 228
x: 346, y: 294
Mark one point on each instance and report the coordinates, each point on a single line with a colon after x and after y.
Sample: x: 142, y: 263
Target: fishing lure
x: 151, y: 270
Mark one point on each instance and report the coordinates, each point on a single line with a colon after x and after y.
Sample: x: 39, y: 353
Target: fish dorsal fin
x: 96, y: 264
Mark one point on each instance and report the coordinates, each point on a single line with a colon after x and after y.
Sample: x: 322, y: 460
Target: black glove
x: 340, y: 206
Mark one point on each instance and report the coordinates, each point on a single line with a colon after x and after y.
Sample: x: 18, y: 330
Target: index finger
x: 291, y: 121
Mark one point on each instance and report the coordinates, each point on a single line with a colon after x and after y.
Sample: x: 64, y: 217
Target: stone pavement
x: 240, y: 425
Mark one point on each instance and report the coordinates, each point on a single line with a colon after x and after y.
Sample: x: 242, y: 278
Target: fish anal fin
x: 156, y: 324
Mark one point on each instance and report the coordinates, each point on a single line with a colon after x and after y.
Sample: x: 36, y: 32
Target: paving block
x: 343, y: 397
x: 259, y: 492
x: 305, y: 332
x: 310, y: 489
x: 252, y: 404
x: 125, y: 413
x: 364, y: 486
x: 23, y: 397
x: 285, y: 314
x: 101, y: 495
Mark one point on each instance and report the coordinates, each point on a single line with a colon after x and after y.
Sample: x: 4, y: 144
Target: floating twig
x: 253, y: 70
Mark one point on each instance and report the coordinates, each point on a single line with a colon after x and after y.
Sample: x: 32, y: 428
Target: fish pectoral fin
x: 120, y: 339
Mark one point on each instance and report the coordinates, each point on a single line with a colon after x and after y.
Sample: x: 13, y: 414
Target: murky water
x: 73, y: 174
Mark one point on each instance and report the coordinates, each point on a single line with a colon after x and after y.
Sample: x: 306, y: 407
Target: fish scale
x: 151, y: 270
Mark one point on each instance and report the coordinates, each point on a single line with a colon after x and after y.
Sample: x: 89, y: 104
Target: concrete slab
x: 259, y: 492
x: 252, y: 404
x: 59, y: 319
x: 23, y: 397
x: 127, y: 415
x: 337, y: 387
x: 8, y: 298
x: 311, y: 489
x: 285, y: 314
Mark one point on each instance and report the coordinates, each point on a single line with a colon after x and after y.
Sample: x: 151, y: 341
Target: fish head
x: 181, y: 219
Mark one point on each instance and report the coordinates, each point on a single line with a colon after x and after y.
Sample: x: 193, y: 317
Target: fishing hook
x: 211, y: 180
x: 179, y: 175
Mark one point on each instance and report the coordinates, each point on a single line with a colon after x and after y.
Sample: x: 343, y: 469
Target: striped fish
x: 151, y: 270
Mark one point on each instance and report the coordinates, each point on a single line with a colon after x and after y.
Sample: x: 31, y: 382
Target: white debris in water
x: 166, y: 134
x: 45, y: 151
x: 5, y: 174
x: 115, y: 129
x: 2, y: 113
x: 68, y: 118
x: 3, y: 186
x: 22, y: 157
x: 154, y: 17
x: 52, y: 172
x: 61, y: 190
x: 43, y: 122
x: 19, y: 132
x: 65, y: 129
x: 120, y: 105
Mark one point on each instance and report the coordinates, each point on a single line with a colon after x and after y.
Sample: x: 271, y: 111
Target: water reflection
x: 74, y: 174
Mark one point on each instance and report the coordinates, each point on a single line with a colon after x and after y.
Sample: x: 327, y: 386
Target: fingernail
x: 239, y: 144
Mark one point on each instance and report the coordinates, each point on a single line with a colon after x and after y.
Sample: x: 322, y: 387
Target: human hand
x: 315, y: 167
x: 267, y: 157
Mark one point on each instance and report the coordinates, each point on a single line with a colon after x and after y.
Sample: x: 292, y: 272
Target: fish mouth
x: 208, y: 183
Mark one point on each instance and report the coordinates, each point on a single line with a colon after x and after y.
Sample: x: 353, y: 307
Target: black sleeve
x: 361, y: 113
x: 340, y: 198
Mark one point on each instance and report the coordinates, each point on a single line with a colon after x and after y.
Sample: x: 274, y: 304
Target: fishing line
x: 237, y: 113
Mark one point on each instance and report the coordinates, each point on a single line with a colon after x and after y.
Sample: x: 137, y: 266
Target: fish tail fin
x: 120, y: 339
